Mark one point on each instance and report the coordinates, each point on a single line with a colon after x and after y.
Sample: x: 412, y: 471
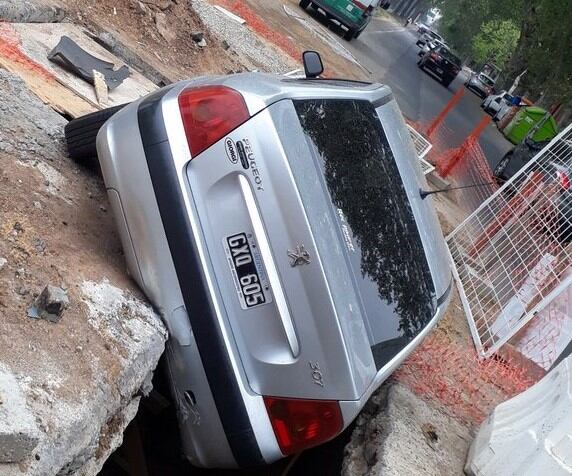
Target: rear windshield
x: 448, y: 55
x: 486, y: 80
x: 374, y: 217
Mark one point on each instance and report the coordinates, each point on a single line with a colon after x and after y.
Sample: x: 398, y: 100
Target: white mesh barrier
x: 512, y: 255
x: 422, y: 147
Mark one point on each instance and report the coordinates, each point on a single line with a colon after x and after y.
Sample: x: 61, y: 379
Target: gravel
x: 253, y: 52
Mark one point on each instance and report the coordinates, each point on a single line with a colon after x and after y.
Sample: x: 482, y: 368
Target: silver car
x: 481, y: 84
x: 277, y: 224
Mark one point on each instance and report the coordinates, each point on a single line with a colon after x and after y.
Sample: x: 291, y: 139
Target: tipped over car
x: 278, y: 227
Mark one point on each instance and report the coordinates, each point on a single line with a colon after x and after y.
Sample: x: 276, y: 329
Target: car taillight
x: 435, y: 56
x: 301, y: 424
x: 563, y: 179
x: 209, y: 113
x: 359, y: 4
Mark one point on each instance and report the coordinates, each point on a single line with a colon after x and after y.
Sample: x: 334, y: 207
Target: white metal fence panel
x: 512, y: 254
x: 422, y: 147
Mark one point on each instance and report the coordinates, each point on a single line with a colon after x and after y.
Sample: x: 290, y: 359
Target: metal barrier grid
x: 422, y: 148
x: 512, y: 254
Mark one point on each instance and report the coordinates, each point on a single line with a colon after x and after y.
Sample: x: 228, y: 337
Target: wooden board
x: 38, y: 80
x: 24, y: 49
x: 37, y: 40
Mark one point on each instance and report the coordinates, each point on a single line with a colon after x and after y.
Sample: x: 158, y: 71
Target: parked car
x: 430, y: 45
x: 553, y: 168
x: 481, y: 84
x: 493, y: 103
x: 354, y: 15
x: 441, y: 62
x: 277, y: 224
x: 516, y: 158
x: 429, y: 36
x: 422, y: 28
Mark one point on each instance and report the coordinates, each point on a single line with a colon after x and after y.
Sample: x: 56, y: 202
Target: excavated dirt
x: 134, y: 21
x: 55, y: 229
x: 53, y: 220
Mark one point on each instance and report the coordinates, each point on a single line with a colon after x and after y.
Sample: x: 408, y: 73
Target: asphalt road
x: 389, y: 52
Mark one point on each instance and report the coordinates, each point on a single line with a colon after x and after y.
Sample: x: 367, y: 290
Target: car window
x: 483, y: 78
x: 448, y: 55
x: 375, y: 220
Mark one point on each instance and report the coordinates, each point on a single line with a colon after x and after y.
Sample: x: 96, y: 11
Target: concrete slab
x: 400, y: 434
x: 81, y: 378
x: 18, y: 430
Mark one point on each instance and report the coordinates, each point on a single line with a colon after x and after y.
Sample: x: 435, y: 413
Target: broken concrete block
x: 163, y: 27
x: 18, y: 431
x: 398, y: 433
x: 202, y: 43
x: 50, y: 304
x: 18, y: 11
x: 3, y: 262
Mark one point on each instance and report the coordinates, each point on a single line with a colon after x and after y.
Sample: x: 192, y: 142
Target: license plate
x: 439, y: 70
x: 248, y: 274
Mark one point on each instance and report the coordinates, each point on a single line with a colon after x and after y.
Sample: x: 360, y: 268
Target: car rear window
x: 486, y: 80
x: 374, y: 218
x: 449, y: 55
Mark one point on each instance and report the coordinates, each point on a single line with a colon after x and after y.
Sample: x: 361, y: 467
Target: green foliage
x: 486, y: 30
x: 496, y: 42
x: 463, y: 19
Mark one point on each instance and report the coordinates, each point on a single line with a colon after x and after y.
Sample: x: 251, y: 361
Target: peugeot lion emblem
x: 299, y: 256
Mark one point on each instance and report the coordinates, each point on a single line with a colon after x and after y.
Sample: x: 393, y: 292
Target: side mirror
x: 386, y: 5
x: 313, y: 65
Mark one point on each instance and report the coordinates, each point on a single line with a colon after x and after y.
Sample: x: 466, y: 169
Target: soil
x: 53, y: 220
x: 134, y: 22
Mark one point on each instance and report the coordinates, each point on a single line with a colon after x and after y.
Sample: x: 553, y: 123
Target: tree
x: 496, y: 42
x: 544, y: 50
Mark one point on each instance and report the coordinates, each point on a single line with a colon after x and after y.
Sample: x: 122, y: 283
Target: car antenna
x: 425, y: 193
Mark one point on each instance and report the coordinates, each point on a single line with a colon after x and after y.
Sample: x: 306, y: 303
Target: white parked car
x: 493, y: 103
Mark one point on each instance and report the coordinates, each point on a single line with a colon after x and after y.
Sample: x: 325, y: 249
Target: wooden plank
x: 39, y: 80
x: 37, y: 40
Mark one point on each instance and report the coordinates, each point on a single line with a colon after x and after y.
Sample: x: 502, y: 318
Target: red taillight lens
x: 359, y: 4
x: 435, y: 56
x: 564, y: 179
x: 301, y: 424
x: 209, y: 113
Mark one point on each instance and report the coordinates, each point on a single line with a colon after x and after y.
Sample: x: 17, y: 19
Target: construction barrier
x: 529, y: 435
x: 513, y: 255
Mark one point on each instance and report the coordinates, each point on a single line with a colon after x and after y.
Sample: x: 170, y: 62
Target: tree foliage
x: 496, y: 41
x: 542, y: 48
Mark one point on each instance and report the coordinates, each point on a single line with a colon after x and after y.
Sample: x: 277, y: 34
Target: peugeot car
x: 278, y: 226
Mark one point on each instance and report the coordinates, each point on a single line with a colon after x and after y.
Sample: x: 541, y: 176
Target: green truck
x: 355, y: 15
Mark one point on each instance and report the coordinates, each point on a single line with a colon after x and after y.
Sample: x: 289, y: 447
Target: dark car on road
x: 516, y: 158
x: 441, y: 62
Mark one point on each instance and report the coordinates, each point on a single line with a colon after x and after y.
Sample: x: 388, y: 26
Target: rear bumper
x: 344, y: 20
x: 350, y: 409
x: 432, y: 66
x: 478, y: 91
